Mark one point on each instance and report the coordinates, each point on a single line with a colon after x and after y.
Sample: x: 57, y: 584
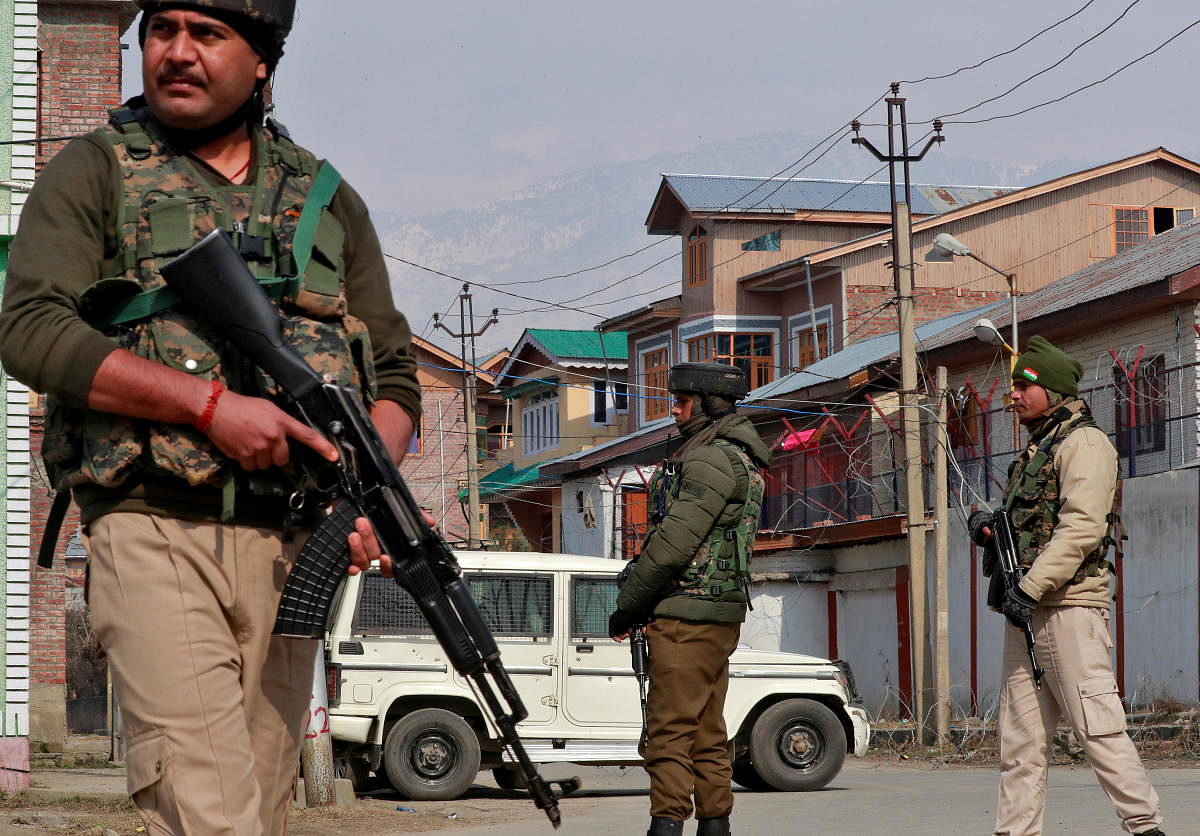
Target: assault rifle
x: 213, y: 280
x: 639, y: 649
x: 1004, y: 548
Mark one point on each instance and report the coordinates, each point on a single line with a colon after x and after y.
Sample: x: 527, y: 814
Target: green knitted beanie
x: 1044, y: 364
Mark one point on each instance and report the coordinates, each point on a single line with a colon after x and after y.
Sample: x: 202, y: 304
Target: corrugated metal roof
x: 859, y: 355
x: 1166, y: 254
x: 716, y: 193
x: 581, y: 345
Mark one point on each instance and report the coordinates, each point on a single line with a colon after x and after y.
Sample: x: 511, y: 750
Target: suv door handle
x: 584, y: 648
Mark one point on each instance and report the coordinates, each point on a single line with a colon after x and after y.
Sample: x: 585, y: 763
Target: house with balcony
x: 816, y: 330
x: 564, y: 391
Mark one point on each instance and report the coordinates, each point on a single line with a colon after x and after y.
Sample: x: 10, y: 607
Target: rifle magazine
x: 319, y: 570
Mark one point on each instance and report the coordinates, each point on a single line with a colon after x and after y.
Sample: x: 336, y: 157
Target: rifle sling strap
x: 54, y: 521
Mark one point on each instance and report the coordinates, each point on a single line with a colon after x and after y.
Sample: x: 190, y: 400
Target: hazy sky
x: 432, y: 106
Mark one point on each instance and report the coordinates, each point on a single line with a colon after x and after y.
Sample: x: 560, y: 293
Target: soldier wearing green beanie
x: 1060, y: 499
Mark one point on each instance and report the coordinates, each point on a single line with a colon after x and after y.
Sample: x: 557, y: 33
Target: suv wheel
x: 431, y: 755
x: 798, y: 744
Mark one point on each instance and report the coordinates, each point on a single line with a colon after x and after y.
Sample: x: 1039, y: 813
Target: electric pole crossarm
x: 466, y: 312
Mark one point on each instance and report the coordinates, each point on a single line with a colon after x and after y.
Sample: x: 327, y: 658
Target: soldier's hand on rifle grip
x: 365, y: 548
x: 254, y: 432
x: 1018, y: 607
x: 979, y: 527
x: 620, y: 624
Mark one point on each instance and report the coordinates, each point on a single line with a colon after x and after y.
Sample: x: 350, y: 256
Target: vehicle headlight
x: 846, y: 678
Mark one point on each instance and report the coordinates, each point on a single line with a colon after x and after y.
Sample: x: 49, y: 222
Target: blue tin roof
x: 859, y: 355
x: 720, y: 193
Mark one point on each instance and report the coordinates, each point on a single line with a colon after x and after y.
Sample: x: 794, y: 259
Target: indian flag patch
x: 1030, y: 373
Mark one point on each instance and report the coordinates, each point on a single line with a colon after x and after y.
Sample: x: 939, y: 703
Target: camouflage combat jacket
x: 1031, y: 496
x: 722, y: 563
x: 695, y: 560
x: 167, y: 206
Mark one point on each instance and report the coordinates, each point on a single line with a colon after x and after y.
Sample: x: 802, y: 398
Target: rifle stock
x: 1005, y: 547
x: 213, y: 280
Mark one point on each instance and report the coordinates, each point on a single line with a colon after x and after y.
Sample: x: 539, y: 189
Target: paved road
x: 866, y: 798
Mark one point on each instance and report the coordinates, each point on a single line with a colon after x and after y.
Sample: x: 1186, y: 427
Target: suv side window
x: 514, y: 605
x: 385, y: 609
x: 592, y: 602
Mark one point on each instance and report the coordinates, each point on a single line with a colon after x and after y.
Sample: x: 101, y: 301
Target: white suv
x: 396, y: 706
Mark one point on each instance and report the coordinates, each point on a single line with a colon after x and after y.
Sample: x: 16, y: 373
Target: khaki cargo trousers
x: 688, y: 752
x: 212, y: 705
x: 1073, y: 646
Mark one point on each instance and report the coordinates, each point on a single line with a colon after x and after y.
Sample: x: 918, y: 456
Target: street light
x: 945, y: 247
x: 986, y: 331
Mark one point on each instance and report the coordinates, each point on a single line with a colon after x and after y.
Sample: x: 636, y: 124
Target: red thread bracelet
x: 206, y: 417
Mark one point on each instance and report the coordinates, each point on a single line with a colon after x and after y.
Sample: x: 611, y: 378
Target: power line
x: 1044, y: 70
x: 1029, y: 40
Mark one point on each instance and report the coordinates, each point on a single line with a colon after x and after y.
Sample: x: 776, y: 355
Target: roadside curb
x: 55, y: 794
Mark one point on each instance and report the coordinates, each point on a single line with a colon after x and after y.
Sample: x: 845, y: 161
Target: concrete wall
x: 1159, y: 642
x: 1159, y: 596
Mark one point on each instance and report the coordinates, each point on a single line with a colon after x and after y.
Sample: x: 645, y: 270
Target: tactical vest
x: 1032, y: 498
x: 280, y: 221
x: 722, y: 563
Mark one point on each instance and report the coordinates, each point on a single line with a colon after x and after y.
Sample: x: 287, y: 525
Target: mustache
x: 175, y: 76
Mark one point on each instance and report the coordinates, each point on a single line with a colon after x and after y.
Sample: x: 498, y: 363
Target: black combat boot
x: 713, y: 827
x: 663, y: 826
x: 1155, y: 832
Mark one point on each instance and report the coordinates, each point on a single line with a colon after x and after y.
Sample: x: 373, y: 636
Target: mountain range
x: 563, y: 252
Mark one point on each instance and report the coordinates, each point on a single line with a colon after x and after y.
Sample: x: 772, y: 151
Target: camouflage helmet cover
x: 268, y: 16
x: 721, y: 379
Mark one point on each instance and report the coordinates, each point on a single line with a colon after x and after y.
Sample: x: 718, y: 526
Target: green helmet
x: 264, y: 24
x: 730, y: 382
x: 719, y: 385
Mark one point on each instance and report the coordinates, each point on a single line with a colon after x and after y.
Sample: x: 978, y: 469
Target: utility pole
x: 902, y: 273
x: 941, y: 587
x: 466, y: 313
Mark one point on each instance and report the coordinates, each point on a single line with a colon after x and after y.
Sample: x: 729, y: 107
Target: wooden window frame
x: 656, y: 402
x: 721, y: 348
x: 804, y: 353
x: 695, y: 256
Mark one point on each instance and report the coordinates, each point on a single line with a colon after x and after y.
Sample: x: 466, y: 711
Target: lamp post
x: 945, y: 247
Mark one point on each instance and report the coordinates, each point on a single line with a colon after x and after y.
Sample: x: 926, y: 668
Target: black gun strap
x: 53, y: 525
x: 54, y: 521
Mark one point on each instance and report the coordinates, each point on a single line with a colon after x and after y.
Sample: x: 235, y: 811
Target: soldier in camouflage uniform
x: 691, y: 582
x: 1060, y: 498
x: 172, y: 445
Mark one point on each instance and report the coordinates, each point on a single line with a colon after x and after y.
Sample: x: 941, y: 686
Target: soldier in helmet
x: 171, y: 444
x: 691, y: 583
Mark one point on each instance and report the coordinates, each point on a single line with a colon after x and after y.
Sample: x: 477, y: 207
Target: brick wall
x: 443, y: 451
x: 79, y: 79
x: 80, y: 66
x: 871, y: 309
x: 48, y: 591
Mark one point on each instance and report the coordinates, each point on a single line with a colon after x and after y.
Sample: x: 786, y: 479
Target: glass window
x: 656, y: 400
x: 752, y: 352
x: 592, y: 602
x: 806, y: 352
x: 539, y: 423
x: 1130, y: 227
x: 514, y: 605
x: 1148, y: 412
